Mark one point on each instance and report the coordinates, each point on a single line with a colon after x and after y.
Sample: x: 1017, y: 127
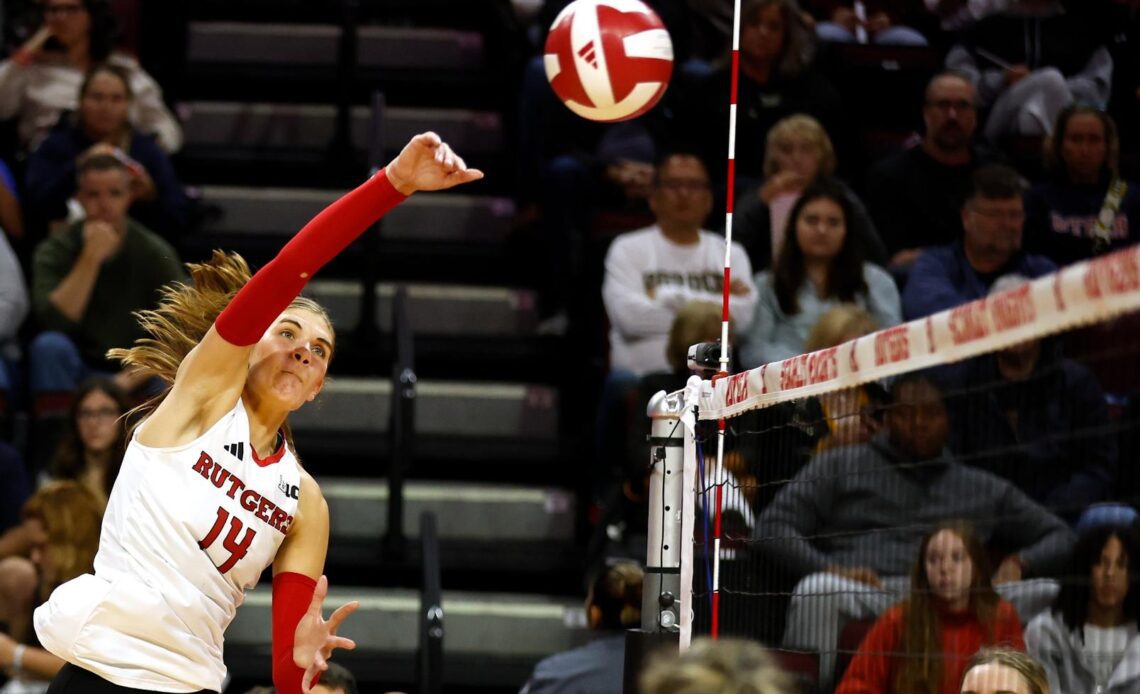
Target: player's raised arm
x: 211, y: 378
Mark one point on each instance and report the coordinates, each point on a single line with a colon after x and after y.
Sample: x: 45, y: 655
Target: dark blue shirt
x: 595, y: 668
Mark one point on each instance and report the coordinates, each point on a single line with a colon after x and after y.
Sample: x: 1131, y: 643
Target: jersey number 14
x: 236, y: 548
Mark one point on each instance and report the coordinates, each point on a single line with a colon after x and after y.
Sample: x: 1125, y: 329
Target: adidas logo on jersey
x: 237, y: 450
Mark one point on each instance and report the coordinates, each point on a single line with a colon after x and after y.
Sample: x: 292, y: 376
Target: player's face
x: 98, y: 421
x: 104, y: 105
x: 681, y: 195
x: 950, y: 113
x: 994, y: 678
x: 105, y: 196
x: 820, y: 229
x: 949, y: 569
x: 1110, y: 576
x: 289, y: 363
x: 1084, y: 147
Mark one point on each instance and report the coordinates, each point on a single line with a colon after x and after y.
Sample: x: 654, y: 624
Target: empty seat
x: 455, y: 409
x: 468, y: 511
x: 316, y: 45
x: 436, y: 310
x: 282, y: 211
x: 228, y: 125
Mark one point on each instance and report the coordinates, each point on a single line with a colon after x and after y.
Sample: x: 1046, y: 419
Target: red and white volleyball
x: 608, y: 60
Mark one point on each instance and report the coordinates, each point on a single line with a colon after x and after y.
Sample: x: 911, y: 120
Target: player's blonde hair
x: 184, y: 315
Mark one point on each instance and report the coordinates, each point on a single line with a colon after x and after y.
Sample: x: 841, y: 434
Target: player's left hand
x: 315, y: 638
x: 428, y: 163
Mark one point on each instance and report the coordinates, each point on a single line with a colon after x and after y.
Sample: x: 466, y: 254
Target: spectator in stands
x: 724, y: 666
x: 992, y: 217
x: 651, y: 273
x: 776, y: 80
x: 15, y: 488
x: 337, y: 679
x: 63, y: 520
x: 882, y: 22
x: 956, y: 15
x: 924, y: 643
x: 41, y: 80
x: 11, y: 215
x: 1088, y: 642
x: 851, y: 522
x: 101, y: 125
x: 916, y: 196
x: 852, y: 414
x: 1085, y: 208
x: 1004, y: 671
x: 1039, y: 420
x: 87, y: 281
x: 820, y: 265
x: 13, y: 309
x: 1029, y: 63
x: 613, y: 604
x: 91, y: 448
x: 798, y: 154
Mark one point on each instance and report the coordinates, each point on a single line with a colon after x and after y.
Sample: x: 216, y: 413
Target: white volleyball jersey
x: 186, y: 532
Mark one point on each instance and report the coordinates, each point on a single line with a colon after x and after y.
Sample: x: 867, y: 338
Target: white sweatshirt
x: 649, y: 278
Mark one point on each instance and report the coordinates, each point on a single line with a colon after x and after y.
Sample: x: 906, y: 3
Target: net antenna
x: 722, y: 374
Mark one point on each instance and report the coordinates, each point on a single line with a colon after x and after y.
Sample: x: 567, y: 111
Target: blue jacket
x: 1058, y: 449
x: 943, y: 278
x: 50, y: 180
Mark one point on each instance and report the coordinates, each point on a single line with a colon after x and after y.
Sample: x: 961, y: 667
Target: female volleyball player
x: 210, y: 491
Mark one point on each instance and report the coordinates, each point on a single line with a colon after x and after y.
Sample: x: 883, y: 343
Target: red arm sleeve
x: 269, y: 291
x: 292, y: 594
x: 872, y: 669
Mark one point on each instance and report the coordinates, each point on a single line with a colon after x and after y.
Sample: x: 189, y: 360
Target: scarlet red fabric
x: 270, y: 290
x: 876, y: 665
x: 292, y: 595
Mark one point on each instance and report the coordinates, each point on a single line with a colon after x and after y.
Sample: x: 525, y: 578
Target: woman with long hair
x: 820, y: 265
x: 211, y: 492
x: 41, y: 80
x: 63, y: 520
x: 1085, y: 207
x: 1005, y: 671
x: 799, y: 152
x: 1089, y: 642
x: 922, y: 645
x: 93, y: 441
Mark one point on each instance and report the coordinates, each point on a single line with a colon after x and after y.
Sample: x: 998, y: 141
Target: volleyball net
x: 793, y: 502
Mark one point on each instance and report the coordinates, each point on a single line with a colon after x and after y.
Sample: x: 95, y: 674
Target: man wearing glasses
x: 992, y: 220
x: 915, y: 196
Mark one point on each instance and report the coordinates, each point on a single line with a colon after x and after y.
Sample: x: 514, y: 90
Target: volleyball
x: 608, y: 60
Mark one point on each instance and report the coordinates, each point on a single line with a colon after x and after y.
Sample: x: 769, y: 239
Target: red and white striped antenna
x: 725, y: 316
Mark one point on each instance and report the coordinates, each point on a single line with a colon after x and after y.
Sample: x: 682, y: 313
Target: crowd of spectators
x: 1023, y: 159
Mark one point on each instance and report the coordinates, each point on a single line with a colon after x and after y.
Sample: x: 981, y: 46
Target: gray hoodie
x: 865, y: 505
x: 1059, y: 650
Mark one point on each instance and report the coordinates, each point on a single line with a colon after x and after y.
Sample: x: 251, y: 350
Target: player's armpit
x: 307, y: 543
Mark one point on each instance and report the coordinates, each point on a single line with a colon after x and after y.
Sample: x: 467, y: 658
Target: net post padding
x: 663, y: 606
x: 1077, y: 295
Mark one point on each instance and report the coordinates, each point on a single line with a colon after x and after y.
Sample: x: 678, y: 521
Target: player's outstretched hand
x: 428, y: 163
x: 315, y: 638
